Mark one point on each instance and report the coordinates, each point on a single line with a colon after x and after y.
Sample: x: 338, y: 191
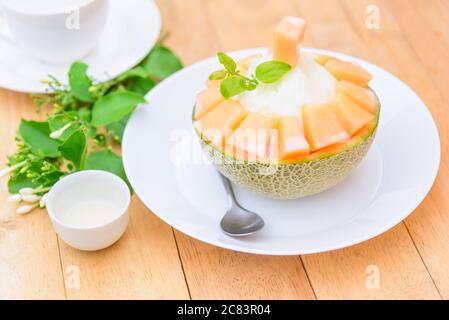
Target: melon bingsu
x: 287, y: 124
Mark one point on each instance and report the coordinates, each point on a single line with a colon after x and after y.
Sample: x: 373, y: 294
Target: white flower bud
x: 31, y: 198
x: 58, y: 133
x: 43, y: 203
x: 7, y: 170
x: 15, y: 198
x: 27, y: 191
x: 4, y: 172
x: 26, y: 209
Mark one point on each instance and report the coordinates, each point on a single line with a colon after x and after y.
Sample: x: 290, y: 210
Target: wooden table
x: 154, y: 261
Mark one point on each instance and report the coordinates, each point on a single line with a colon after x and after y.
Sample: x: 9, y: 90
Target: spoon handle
x: 229, y: 190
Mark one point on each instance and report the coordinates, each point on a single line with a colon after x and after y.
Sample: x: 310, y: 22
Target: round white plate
x: 132, y: 29
x: 162, y: 159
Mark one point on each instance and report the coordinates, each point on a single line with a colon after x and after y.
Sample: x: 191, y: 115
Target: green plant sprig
x: 85, y: 123
x: 234, y: 83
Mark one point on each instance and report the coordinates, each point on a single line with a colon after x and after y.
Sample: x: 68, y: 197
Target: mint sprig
x: 234, y: 83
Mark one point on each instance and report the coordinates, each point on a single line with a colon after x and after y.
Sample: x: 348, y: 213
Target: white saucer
x: 390, y: 183
x: 132, y: 30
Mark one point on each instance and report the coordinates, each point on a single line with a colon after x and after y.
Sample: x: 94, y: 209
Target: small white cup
x: 89, y: 186
x: 54, y: 34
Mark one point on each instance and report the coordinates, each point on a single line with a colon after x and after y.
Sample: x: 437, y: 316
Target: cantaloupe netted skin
x: 290, y: 181
x: 296, y: 179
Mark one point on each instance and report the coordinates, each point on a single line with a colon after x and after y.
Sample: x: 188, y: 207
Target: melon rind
x: 289, y: 181
x: 292, y: 180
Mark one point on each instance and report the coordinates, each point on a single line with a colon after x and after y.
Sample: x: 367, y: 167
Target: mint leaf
x: 161, y: 63
x: 218, y: 75
x: 227, y: 62
x: 249, y: 85
x: 37, y: 136
x: 80, y: 82
x: 231, y: 87
x: 114, y: 106
x: 74, y: 149
x: 107, y: 161
x: 272, y: 71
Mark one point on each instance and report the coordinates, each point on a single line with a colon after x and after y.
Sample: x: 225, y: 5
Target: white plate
x: 132, y: 30
x: 389, y: 184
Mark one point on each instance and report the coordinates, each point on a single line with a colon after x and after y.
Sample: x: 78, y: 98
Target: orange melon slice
x: 344, y: 144
x: 210, y: 83
x: 322, y: 59
x: 292, y: 142
x: 352, y: 72
x: 350, y: 114
x: 321, y: 126
x: 287, y: 37
x: 250, y: 140
x: 207, y: 100
x: 244, y: 64
x: 363, y: 97
x: 217, y: 125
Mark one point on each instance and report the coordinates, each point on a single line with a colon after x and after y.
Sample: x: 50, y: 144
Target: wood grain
x: 214, y: 273
x: 29, y: 258
x: 246, y: 24
x: 348, y: 273
x: 340, y: 26
x: 189, y: 27
x: 427, y: 39
x: 143, y: 264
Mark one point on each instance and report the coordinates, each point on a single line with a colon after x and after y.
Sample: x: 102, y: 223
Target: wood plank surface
x: 428, y: 42
x: 30, y: 266
x: 154, y: 261
x: 340, y: 26
x: 215, y: 273
x: 144, y: 264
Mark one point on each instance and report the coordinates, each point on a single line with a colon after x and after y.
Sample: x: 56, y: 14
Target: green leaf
x: 80, y: 82
x: 58, y: 121
x: 161, y: 62
x: 249, y: 85
x: 272, y: 71
x: 74, y: 149
x: 37, y: 136
x: 227, y: 62
x: 114, y: 106
x: 141, y: 85
x: 45, y: 179
x: 107, y: 161
x: 20, y: 181
x: 116, y: 129
x: 50, y: 178
x: 132, y: 73
x: 218, y: 75
x: 85, y: 114
x: 231, y: 86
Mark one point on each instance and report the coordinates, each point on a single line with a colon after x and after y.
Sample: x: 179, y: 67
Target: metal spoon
x: 238, y: 222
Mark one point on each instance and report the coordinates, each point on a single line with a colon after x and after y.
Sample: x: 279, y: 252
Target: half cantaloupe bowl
x: 287, y: 124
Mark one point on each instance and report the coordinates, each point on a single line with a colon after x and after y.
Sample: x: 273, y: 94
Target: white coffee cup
x: 54, y: 31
